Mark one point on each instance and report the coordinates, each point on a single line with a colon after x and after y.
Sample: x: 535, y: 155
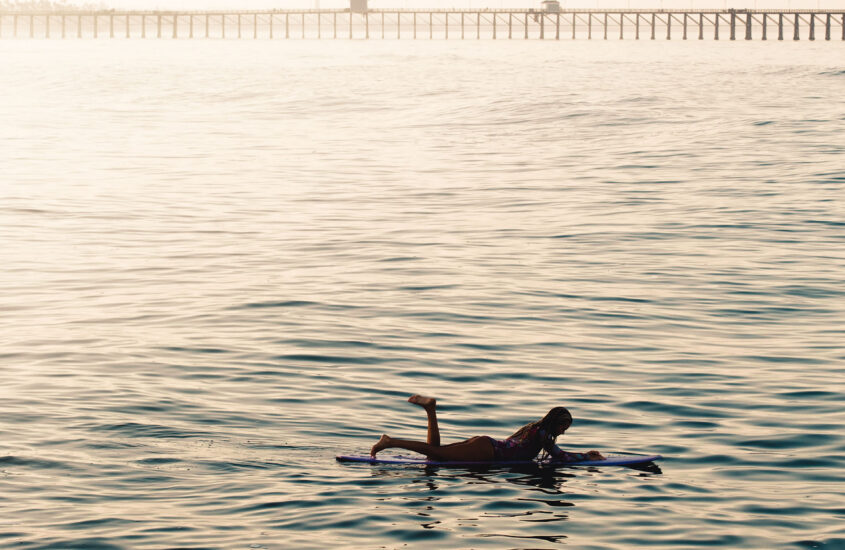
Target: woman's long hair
x: 558, y: 416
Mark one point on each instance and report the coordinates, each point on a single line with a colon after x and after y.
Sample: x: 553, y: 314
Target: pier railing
x: 731, y: 24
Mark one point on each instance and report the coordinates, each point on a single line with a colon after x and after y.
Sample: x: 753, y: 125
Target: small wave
x: 26, y: 211
x: 832, y: 223
x: 99, y: 522
x: 280, y: 304
x: 86, y: 543
x: 196, y: 350
x: 135, y: 429
x: 400, y: 259
x: 788, y: 442
x: 315, y: 358
x: 36, y: 463
x: 158, y: 461
x: 821, y: 544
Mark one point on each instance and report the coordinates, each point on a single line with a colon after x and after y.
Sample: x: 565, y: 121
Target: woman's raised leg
x: 476, y: 449
x: 430, y: 406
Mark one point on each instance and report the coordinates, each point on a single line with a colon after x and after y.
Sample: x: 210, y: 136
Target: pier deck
x: 431, y: 24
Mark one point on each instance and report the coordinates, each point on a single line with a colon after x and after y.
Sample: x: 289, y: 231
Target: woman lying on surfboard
x: 525, y: 444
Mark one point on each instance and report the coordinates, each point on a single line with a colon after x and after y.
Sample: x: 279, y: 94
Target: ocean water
x: 224, y: 263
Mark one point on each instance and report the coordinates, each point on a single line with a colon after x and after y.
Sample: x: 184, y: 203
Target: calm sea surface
x: 223, y: 263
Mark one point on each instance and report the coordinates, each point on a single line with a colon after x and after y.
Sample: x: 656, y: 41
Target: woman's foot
x: 424, y: 402
x: 382, y: 444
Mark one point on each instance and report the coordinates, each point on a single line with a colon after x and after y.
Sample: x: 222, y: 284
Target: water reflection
x: 549, y: 480
x: 547, y: 538
x: 648, y: 467
x: 512, y: 503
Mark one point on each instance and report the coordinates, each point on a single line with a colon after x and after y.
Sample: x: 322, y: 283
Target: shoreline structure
x: 556, y: 24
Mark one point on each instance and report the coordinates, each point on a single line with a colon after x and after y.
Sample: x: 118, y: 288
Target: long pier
x: 636, y: 24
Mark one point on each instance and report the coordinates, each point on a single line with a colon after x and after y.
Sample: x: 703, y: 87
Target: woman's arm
x: 559, y: 454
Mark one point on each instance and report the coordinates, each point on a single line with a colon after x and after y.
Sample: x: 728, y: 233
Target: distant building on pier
x: 359, y: 6
x: 550, y: 6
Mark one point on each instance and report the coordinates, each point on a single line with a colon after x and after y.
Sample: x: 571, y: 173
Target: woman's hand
x: 594, y: 455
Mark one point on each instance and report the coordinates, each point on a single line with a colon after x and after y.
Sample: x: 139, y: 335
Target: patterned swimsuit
x: 527, y: 447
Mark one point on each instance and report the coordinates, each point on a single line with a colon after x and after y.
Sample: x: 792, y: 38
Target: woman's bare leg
x: 477, y: 449
x: 430, y: 406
